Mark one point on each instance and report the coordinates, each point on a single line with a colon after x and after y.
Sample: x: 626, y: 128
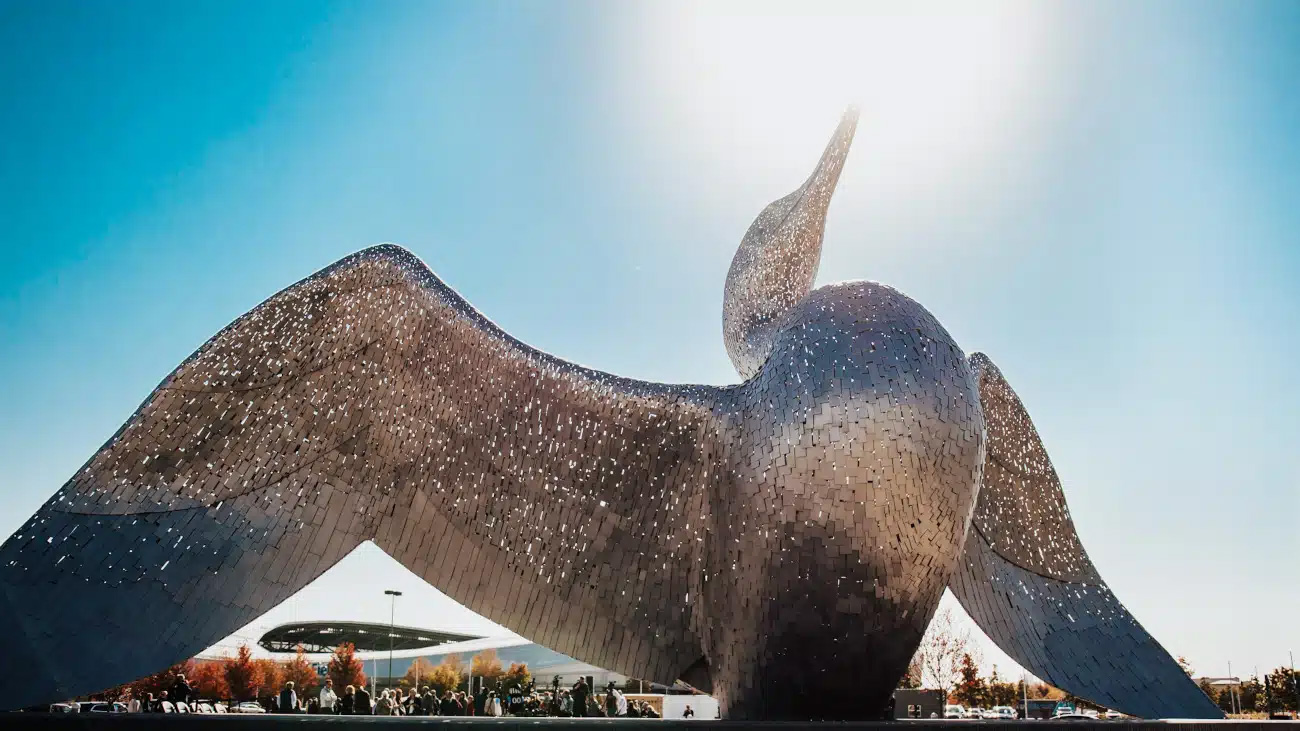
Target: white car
x: 248, y: 707
x: 975, y: 713
x: 1002, y: 713
x: 1113, y: 715
x: 101, y: 707
x: 954, y: 712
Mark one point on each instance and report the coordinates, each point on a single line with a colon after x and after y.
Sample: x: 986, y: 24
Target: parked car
x: 954, y: 712
x: 248, y: 707
x: 65, y: 708
x: 1073, y: 717
x: 100, y: 707
x: 1113, y: 715
x: 975, y: 713
x: 1002, y: 713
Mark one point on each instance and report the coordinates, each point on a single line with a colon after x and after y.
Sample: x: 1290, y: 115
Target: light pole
x: 1295, y: 687
x: 392, y: 629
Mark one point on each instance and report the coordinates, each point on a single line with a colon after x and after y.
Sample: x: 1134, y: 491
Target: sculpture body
x: 782, y: 543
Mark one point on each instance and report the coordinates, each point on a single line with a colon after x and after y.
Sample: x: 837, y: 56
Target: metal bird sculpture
x: 781, y: 543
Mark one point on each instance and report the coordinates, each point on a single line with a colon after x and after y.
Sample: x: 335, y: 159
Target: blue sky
x: 1101, y: 196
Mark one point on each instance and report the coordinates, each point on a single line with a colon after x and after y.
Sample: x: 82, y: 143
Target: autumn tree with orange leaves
x: 272, y: 676
x: 487, y: 665
x: 448, y: 675
x: 303, y: 675
x: 209, y: 680
x: 417, y: 674
x: 161, y: 680
x: 345, y: 669
x: 243, y: 675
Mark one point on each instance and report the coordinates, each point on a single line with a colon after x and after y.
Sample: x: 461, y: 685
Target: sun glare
x: 938, y: 85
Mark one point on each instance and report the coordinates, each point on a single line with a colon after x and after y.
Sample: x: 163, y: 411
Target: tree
x: 970, y: 690
x: 1227, y: 700
x: 1282, y: 689
x: 243, y: 675
x: 516, y: 677
x: 209, y: 680
x: 487, y: 665
x: 1000, y: 693
x: 1209, y: 690
x: 912, y: 675
x: 345, y: 669
x: 940, y: 652
x: 448, y: 675
x: 272, y: 676
x: 118, y: 693
x: 161, y: 680
x: 299, y: 670
x: 1045, y: 691
x: 418, y: 674
x: 1251, y: 695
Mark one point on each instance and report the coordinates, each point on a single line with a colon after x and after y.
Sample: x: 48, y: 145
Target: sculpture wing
x: 1027, y: 582
x: 367, y: 402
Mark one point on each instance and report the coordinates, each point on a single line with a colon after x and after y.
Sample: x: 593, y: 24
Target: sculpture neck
x: 776, y: 264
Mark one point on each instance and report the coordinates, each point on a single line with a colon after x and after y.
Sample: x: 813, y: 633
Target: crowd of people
x: 558, y: 702
x: 577, y: 701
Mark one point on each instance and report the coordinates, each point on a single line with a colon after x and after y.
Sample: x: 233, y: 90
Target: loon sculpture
x: 781, y: 543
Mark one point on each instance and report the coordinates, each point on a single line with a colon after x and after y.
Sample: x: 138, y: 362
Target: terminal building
x: 372, y: 642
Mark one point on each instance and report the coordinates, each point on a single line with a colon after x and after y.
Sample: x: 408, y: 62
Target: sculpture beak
x: 821, y: 184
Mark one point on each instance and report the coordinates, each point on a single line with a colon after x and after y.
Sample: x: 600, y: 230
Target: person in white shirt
x: 328, y: 698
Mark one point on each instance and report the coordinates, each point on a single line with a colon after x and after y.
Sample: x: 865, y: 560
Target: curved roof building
x: 323, y: 637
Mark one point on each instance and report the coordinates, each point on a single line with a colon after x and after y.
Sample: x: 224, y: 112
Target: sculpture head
x: 775, y: 266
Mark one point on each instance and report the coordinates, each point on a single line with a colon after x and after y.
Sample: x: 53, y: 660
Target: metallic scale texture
x: 782, y: 543
x: 1027, y: 582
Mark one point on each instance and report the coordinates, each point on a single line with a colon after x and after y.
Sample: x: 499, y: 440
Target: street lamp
x: 392, y: 630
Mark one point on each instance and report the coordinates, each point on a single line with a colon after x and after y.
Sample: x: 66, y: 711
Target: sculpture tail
x: 1029, y: 585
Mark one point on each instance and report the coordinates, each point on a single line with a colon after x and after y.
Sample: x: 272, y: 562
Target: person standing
x: 611, y: 701
x: 181, y: 690
x: 348, y: 703
x: 493, y: 705
x: 288, y: 699
x: 363, y: 707
x: 430, y: 702
x: 414, y: 702
x: 328, y: 698
x: 689, y: 712
x: 580, y: 691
